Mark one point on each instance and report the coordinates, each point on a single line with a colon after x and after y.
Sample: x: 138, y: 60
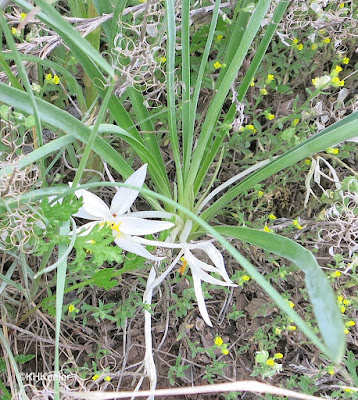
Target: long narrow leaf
x: 320, y: 292
x: 338, y: 132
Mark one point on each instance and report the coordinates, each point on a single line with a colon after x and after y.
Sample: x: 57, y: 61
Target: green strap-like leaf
x: 320, y: 292
x: 338, y: 132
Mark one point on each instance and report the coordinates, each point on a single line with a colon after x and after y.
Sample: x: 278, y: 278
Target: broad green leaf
x: 320, y: 292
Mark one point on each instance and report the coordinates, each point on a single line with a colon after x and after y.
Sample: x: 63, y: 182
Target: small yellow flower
x: 260, y: 193
x: 348, y: 390
x: 107, y: 378
x: 336, y: 274
x: 296, y: 224
x: 332, y: 150
x: 14, y: 31
x: 338, y: 69
x: 291, y: 304
x: 327, y: 40
x: 314, y: 46
x: 295, y: 121
x: 245, y: 278
x: 251, y: 127
x: 219, y: 37
x: 341, y: 83
x: 308, y: 161
x: 331, y: 371
x: 340, y: 299
x: 295, y: 41
x: 278, y: 330
x: 299, y: 47
x: 272, y: 216
x: 278, y: 355
x: 346, y: 302
x: 343, y: 309
x: 336, y: 80
x: 341, y: 5
x: 48, y: 77
x: 270, y: 78
x: 349, y: 323
x: 71, y: 308
x: 270, y: 116
x: 225, y: 351
x: 267, y: 229
x: 345, y: 60
x: 56, y: 80
x: 162, y: 60
x: 346, y: 331
x: 252, y: 83
x: 217, y: 65
x: 218, y: 341
x: 22, y: 16
x: 95, y: 377
x: 263, y: 91
x: 270, y: 362
x: 291, y: 327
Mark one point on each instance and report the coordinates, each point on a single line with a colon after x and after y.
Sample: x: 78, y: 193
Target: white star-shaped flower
x: 124, y: 226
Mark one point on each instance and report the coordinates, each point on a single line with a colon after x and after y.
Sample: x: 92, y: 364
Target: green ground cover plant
x: 178, y: 184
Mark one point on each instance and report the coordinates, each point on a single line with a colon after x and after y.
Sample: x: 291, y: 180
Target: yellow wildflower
x: 299, y: 47
x: 162, y: 60
x: 95, y: 377
x: 330, y: 371
x: 314, y: 46
x: 245, y: 278
x: 295, y: 41
x: 71, y: 308
x: 270, y: 78
x: 346, y: 302
x: 338, y: 69
x: 272, y: 216
x: 332, y: 150
x: 291, y: 327
x: 48, y: 77
x: 252, y: 83
x: 341, y: 5
x: 348, y: 390
x: 270, y: 116
x: 267, y: 229
x: 340, y: 299
x: 296, y: 224
x: 14, y: 31
x: 225, y: 351
x: 270, y: 362
x: 22, y: 16
x: 345, y: 60
x: 343, y: 309
x: 349, y: 323
x: 308, y: 161
x: 260, y: 193
x: 56, y: 80
x: 336, y: 274
x: 278, y: 355
x: 263, y: 91
x: 219, y: 37
x: 219, y: 341
x: 217, y: 65
x: 295, y: 121
x: 291, y: 304
x: 107, y: 378
x: 327, y: 40
x: 278, y: 330
x: 251, y: 127
x: 346, y: 331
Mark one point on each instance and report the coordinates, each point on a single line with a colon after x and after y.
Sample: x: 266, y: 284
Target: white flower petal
x: 216, y: 257
x: 200, y: 299
x: 93, y: 207
x: 85, y: 229
x: 127, y: 244
x: 124, y: 198
x: 195, y: 266
x: 139, y: 226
